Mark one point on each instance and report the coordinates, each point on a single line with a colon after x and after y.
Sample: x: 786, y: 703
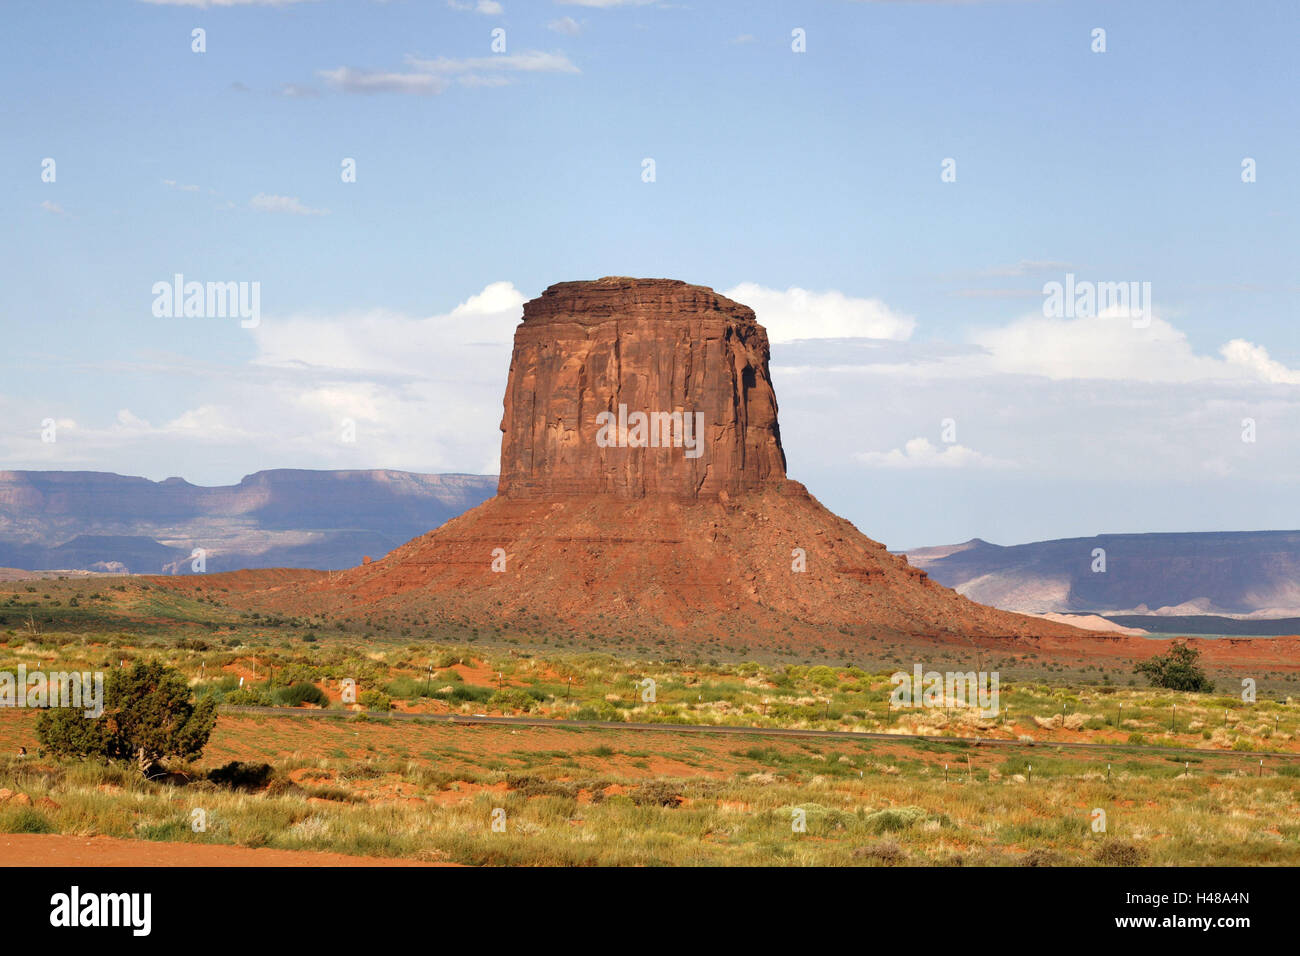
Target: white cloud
x: 799, y: 314
x: 361, y: 81
x: 566, y: 25
x: 530, y: 61
x: 1255, y: 361
x: 1108, y: 346
x: 486, y: 7
x: 464, y: 342
x: 435, y: 75
x: 264, y: 202
x: 52, y: 208
x: 126, y: 419
x: 424, y: 394
x: 920, y: 453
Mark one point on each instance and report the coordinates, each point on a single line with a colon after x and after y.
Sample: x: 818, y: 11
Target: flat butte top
x: 593, y: 301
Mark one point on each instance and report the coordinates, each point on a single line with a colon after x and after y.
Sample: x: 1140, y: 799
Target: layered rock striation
x: 635, y: 387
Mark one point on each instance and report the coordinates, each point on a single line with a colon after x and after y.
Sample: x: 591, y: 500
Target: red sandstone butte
x: 650, y: 346
x: 608, y: 543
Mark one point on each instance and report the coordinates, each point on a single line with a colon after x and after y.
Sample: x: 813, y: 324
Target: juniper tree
x: 149, y: 716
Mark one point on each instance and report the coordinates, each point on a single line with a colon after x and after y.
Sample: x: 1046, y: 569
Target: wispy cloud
x: 264, y: 202
x: 486, y: 7
x: 566, y: 25
x: 361, y: 81
x: 532, y: 61
x: 433, y: 75
x: 53, y: 208
x: 920, y: 453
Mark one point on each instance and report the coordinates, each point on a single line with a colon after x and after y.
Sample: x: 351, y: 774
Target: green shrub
x: 25, y: 820
x: 1177, y: 670
x: 248, y: 697
x: 894, y: 819
x: 375, y: 700
x: 300, y: 693
x: 464, y: 693
x: 149, y: 715
x: 408, y: 688
x: 512, y: 698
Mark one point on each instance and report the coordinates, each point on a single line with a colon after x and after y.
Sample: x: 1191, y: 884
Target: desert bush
x: 375, y: 700
x: 1119, y: 853
x: 1041, y: 857
x: 885, y: 852
x: 407, y: 688
x: 25, y: 820
x: 598, y: 710
x: 300, y: 693
x: 148, y: 716
x: 248, y: 697
x: 512, y: 698
x: 894, y: 819
x: 1177, y: 670
x: 468, y: 693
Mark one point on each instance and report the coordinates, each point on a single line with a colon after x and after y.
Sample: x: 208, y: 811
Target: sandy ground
x: 39, y: 849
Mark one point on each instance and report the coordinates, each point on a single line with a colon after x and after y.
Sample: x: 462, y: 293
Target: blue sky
x: 483, y: 177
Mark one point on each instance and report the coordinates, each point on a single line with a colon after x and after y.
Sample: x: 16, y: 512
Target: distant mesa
x: 96, y: 521
x: 1232, y: 575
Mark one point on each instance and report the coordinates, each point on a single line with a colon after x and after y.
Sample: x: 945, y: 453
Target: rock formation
x: 608, y: 535
x: 681, y: 355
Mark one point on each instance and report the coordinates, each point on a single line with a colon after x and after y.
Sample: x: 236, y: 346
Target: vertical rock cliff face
x: 590, y: 358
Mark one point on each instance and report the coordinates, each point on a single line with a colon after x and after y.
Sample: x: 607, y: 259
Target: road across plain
x: 754, y: 731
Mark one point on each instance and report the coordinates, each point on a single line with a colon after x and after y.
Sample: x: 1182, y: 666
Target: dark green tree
x: 1177, y: 670
x: 149, y: 716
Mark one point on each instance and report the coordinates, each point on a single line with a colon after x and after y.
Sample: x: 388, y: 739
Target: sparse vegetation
x: 375, y: 784
x: 1177, y: 670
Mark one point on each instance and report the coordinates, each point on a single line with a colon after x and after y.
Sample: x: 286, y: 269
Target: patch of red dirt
x: 45, y: 849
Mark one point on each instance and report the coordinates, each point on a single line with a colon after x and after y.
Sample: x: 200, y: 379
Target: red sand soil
x: 609, y: 565
x: 561, y: 578
x: 43, y: 849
